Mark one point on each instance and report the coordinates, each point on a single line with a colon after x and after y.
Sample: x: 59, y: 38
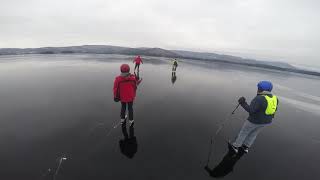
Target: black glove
x: 242, y: 100
x: 116, y: 99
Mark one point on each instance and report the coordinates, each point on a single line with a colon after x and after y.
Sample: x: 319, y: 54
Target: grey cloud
x: 266, y: 29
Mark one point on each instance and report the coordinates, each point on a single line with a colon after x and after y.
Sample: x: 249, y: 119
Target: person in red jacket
x: 124, y: 90
x: 138, y: 61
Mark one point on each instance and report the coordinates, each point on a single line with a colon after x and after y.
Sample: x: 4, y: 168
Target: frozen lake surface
x: 54, y: 106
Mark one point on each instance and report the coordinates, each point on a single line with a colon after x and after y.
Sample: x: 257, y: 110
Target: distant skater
x: 261, y: 111
x: 124, y: 90
x: 174, y: 67
x: 137, y: 61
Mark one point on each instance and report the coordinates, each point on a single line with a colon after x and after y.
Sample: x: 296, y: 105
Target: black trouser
x: 174, y: 67
x: 137, y: 66
x: 123, y: 110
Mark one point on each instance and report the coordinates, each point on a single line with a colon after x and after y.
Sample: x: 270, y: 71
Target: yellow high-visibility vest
x: 272, y: 105
x: 174, y: 61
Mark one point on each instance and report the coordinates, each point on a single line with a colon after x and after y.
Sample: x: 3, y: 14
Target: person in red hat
x: 138, y: 61
x: 124, y: 90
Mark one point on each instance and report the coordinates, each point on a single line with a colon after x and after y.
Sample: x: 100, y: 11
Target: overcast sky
x: 285, y: 30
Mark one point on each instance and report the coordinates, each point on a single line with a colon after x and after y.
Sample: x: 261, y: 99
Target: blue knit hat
x: 265, y: 86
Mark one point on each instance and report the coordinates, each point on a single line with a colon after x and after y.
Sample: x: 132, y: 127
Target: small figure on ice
x: 174, y: 67
x: 137, y: 61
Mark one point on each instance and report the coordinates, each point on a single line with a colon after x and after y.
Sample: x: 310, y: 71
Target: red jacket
x: 138, y: 60
x: 125, y: 88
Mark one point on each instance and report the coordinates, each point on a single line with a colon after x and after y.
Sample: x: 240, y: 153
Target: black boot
x: 232, y: 148
x: 244, y: 149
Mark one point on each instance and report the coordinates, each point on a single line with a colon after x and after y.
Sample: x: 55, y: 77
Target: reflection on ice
x: 53, y: 104
x: 298, y: 93
x: 309, y: 107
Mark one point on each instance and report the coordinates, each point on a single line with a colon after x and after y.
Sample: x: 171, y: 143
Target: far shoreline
x: 265, y: 67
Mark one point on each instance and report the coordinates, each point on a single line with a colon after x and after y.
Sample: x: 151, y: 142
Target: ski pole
x: 235, y: 109
x: 217, y: 132
x: 57, y: 170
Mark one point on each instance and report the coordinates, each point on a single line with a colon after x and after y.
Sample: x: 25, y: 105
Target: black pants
x: 137, y: 66
x: 123, y: 110
x: 174, y: 67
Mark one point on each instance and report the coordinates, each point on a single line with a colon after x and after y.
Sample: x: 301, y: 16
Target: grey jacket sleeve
x: 253, y: 107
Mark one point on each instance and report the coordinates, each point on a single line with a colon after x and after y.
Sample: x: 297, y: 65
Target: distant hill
x: 229, y: 58
x: 93, y: 49
x: 158, y: 52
